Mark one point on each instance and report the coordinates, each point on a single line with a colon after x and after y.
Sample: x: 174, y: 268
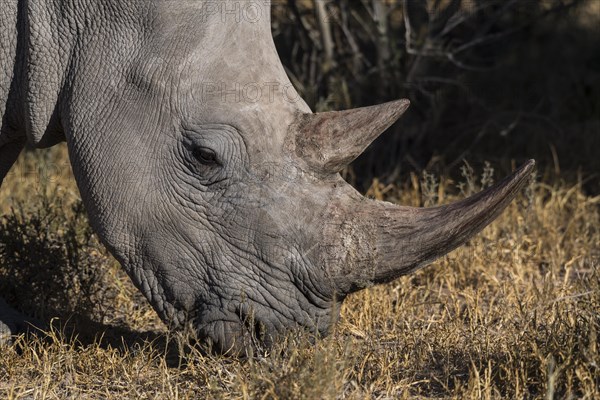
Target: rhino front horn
x: 383, y: 241
x: 330, y: 141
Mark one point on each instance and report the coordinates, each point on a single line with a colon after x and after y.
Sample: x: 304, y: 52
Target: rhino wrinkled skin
x: 202, y: 170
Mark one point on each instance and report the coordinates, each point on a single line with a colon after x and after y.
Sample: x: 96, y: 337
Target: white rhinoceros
x: 203, y: 172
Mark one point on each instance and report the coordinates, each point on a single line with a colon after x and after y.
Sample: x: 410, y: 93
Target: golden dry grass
x: 513, y: 314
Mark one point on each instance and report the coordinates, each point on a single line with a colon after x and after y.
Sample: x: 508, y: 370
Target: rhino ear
x: 330, y: 141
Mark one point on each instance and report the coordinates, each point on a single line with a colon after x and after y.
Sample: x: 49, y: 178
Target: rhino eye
x: 205, y: 156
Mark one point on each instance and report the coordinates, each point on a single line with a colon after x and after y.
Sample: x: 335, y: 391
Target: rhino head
x: 214, y: 184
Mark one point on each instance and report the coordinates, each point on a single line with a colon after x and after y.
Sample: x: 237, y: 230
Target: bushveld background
x: 513, y: 314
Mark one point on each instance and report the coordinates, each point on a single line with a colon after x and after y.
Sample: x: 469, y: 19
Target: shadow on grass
x: 53, y: 269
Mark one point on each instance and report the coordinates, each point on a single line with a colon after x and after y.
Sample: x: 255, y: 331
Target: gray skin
x: 204, y: 173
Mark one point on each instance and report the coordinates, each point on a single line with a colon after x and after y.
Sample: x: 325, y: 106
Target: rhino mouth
x: 241, y: 334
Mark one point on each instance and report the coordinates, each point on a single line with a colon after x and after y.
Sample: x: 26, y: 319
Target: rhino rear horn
x: 330, y: 141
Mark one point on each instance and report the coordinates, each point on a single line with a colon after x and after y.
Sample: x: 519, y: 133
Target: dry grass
x: 513, y: 314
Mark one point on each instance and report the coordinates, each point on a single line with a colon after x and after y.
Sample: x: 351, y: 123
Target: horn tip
x: 519, y: 176
x: 402, y: 104
x: 395, y: 108
x: 528, y: 166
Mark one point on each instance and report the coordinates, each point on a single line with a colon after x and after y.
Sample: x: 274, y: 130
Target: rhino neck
x: 48, y: 38
x: 40, y: 65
